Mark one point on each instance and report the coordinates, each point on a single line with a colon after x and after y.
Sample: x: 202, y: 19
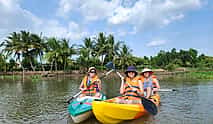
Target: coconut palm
x: 87, y: 53
x: 52, y: 52
x: 125, y: 57
x: 27, y: 42
x: 66, y: 52
x: 101, y: 47
x: 113, y: 48
x: 39, y: 46
x: 58, y: 52
x: 13, y: 45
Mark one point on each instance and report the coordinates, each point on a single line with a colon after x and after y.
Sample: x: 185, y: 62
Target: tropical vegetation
x: 28, y: 51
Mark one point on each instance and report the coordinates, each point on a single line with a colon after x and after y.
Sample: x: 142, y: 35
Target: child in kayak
x: 150, y: 82
x: 131, y: 87
x: 91, y: 84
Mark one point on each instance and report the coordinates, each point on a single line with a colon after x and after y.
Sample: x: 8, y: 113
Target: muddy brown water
x: 42, y: 102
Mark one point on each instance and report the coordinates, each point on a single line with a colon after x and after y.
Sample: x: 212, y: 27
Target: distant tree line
x: 28, y: 51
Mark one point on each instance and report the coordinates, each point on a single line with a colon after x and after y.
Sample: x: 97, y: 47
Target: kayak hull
x: 82, y: 117
x: 80, y: 109
x: 112, y: 113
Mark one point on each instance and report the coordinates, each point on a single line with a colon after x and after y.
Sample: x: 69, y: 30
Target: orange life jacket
x: 128, y: 90
x: 153, y: 81
x: 91, y: 85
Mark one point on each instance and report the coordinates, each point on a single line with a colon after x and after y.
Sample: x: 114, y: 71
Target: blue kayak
x: 80, y: 109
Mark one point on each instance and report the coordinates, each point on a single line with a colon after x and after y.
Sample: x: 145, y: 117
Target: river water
x: 42, y: 102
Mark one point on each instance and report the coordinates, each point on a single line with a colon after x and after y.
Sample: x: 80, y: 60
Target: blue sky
x: 147, y: 26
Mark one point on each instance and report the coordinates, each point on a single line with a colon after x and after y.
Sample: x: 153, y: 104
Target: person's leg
x: 149, y: 89
x: 82, y: 95
x: 148, y: 92
x: 98, y: 95
x: 119, y: 100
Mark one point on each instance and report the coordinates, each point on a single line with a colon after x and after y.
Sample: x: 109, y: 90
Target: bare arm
x: 157, y: 83
x: 99, y: 85
x: 141, y: 87
x: 122, y: 86
x: 81, y: 85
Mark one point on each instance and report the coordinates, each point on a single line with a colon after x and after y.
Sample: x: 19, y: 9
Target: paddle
x: 167, y: 90
x: 109, y: 65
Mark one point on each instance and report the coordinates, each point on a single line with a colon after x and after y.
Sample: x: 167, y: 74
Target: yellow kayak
x: 111, y: 113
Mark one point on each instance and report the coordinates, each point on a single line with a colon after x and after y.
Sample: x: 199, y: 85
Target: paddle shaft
x: 166, y: 90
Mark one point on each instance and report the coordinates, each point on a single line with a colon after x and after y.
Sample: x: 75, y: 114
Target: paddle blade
x: 149, y: 106
x: 110, y: 65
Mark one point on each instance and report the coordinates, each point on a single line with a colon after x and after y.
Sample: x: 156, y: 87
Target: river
x: 42, y: 102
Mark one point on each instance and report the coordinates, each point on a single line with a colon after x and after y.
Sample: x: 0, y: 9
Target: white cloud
x: 151, y: 13
x: 156, y: 43
x: 16, y: 18
x: 90, y: 9
x: 140, y: 14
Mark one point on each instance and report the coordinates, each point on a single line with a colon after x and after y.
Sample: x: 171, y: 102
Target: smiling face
x: 92, y: 73
x: 146, y: 74
x: 131, y: 74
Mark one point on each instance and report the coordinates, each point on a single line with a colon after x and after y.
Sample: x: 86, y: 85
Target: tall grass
x: 201, y: 75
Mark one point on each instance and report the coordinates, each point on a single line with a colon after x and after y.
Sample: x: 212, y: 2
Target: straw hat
x: 91, y: 68
x: 147, y: 70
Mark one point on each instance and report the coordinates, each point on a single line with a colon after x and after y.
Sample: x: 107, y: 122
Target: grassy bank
x: 194, y: 75
x: 19, y: 77
x: 200, y: 75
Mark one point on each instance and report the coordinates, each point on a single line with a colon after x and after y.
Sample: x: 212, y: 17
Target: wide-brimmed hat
x: 147, y: 70
x: 131, y: 69
x: 91, y: 68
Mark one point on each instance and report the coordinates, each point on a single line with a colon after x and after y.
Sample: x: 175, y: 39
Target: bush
x: 171, y: 67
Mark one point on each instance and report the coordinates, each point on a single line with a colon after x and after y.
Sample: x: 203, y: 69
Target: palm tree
x: 101, y: 47
x: 59, y: 51
x: 125, y: 57
x: 113, y: 48
x: 39, y: 46
x: 66, y: 52
x: 13, y: 45
x: 52, y: 51
x: 27, y: 41
x: 87, y: 53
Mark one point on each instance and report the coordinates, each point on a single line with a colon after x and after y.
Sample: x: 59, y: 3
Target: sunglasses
x: 92, y: 71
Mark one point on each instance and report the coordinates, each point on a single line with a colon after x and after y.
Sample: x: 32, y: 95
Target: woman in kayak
x: 150, y: 82
x: 131, y: 87
x: 91, y: 84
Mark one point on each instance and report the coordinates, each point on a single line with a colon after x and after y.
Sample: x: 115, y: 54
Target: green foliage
x: 35, y: 78
x: 171, y: 67
x: 201, y: 75
x: 31, y: 50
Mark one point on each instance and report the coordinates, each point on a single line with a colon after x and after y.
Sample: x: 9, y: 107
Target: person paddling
x: 91, y: 84
x: 150, y: 82
x: 131, y: 87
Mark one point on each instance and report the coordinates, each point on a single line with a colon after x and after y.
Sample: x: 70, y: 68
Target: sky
x: 146, y: 26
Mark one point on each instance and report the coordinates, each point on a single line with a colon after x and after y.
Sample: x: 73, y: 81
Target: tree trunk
x: 51, y: 68
x: 42, y: 66
x: 55, y: 66
x: 22, y: 70
x: 64, y: 66
x: 102, y: 62
x: 31, y: 64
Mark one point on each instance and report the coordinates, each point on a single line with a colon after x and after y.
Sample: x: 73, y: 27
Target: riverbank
x: 40, y: 75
